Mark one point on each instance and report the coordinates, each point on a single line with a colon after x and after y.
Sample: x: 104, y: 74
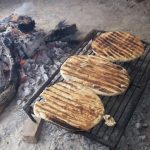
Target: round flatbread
x: 69, y: 103
x: 118, y: 46
x: 102, y: 76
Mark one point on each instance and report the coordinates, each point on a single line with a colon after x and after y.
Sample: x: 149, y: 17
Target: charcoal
x: 25, y: 24
x: 60, y: 32
x: 72, y: 40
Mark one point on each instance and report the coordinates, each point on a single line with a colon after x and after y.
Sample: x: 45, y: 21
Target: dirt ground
x: 88, y: 14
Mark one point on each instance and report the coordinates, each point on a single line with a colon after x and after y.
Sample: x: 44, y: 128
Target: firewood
x: 61, y: 30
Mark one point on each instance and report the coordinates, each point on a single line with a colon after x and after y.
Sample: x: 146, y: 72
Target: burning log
x: 9, y: 82
x: 61, y: 30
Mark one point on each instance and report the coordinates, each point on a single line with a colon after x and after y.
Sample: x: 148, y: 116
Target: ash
x: 37, y: 59
x: 36, y: 70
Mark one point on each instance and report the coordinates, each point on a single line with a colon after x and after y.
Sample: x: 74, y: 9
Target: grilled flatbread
x: 70, y: 104
x: 118, y: 46
x: 102, y: 76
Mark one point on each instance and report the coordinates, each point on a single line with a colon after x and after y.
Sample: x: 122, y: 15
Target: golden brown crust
x: 118, y: 46
x: 70, y: 103
x: 104, y: 77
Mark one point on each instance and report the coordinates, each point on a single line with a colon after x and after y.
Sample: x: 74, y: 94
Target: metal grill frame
x: 120, y: 107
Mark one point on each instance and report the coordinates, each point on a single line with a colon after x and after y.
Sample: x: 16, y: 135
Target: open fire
x: 35, y: 54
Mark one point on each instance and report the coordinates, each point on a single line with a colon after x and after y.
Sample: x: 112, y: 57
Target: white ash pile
x: 38, y: 54
x: 36, y: 70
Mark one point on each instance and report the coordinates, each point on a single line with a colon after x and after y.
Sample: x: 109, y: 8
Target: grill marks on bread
x: 73, y: 102
x: 70, y: 103
x: 118, y: 46
x: 104, y: 77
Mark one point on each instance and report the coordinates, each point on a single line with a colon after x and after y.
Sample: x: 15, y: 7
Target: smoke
x: 25, y: 9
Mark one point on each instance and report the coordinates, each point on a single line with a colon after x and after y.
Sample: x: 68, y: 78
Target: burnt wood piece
x: 73, y: 40
x: 60, y: 32
x: 9, y: 90
x: 25, y: 24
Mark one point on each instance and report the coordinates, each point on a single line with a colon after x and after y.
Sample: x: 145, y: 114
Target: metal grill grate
x: 120, y: 107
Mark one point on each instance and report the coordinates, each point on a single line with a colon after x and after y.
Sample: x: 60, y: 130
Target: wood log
x: 8, y: 91
x: 60, y: 31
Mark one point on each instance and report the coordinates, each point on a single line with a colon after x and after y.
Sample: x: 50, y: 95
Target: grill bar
x: 113, y: 112
x: 120, y: 107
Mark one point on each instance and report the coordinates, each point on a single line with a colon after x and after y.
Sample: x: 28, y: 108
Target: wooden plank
x: 31, y: 131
